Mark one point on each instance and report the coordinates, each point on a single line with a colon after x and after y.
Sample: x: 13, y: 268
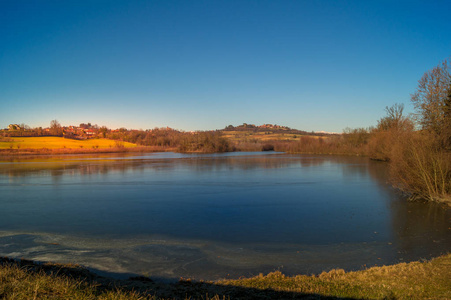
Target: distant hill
x: 270, y: 128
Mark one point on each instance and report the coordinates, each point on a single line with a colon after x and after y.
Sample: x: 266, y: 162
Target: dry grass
x: 249, y: 136
x: 255, y: 141
x: 416, y: 280
x: 19, y: 283
x: 429, y: 280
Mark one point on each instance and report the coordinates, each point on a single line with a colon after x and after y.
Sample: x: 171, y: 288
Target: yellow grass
x: 416, y: 280
x: 60, y: 143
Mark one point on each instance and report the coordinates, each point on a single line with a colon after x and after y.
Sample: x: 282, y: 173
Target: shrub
x: 420, y: 167
x: 119, y: 144
x: 268, y: 147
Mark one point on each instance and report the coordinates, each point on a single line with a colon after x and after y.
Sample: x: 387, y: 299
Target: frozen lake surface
x: 213, y: 216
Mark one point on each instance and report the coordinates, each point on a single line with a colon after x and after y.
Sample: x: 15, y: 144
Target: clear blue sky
x: 198, y: 65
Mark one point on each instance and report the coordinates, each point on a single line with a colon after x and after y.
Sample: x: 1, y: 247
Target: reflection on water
x: 207, y: 162
x: 213, y: 216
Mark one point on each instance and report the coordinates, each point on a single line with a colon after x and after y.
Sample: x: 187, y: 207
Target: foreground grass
x: 416, y: 280
x: 51, y: 142
x: 17, y: 283
x: 427, y: 280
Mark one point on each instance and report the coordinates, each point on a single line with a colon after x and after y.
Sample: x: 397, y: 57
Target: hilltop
x: 273, y: 128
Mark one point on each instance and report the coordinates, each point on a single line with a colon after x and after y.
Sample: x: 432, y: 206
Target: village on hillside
x: 80, y: 132
x: 83, y: 131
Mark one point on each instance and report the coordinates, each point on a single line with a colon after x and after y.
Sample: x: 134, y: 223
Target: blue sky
x: 200, y: 65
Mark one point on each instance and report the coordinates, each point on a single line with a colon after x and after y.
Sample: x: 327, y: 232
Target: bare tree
x: 432, y: 98
x: 103, y: 131
x: 394, y: 119
x: 55, y: 128
x: 447, y: 120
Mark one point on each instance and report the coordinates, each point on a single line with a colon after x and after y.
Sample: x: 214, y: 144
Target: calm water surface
x: 213, y: 216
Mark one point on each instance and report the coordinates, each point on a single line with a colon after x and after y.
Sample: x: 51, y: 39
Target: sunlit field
x: 261, y: 136
x: 60, y: 143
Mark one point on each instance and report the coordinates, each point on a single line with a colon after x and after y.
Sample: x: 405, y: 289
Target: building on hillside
x: 90, y: 132
x: 267, y: 126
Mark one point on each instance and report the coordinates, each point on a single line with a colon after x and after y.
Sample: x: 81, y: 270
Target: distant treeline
x: 164, y: 138
x: 201, y: 141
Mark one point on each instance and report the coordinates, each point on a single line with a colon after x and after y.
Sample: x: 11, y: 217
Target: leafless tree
x: 55, y: 128
x: 394, y: 119
x: 432, y: 98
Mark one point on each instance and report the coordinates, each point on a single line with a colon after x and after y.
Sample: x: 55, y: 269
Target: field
x: 278, y: 140
x: 243, y: 136
x: 60, y: 143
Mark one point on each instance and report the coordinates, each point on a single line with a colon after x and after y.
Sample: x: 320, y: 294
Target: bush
x: 204, y: 141
x: 268, y: 147
x: 421, y: 167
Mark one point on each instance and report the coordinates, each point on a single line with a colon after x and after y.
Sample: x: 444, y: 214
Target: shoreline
x: 414, y: 280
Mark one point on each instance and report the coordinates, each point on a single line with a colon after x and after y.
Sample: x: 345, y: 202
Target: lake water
x: 213, y: 216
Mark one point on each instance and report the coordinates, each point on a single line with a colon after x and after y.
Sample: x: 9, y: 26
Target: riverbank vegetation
x: 417, y: 147
x: 415, y: 280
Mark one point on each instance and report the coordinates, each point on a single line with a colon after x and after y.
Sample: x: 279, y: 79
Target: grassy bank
x: 416, y: 280
x: 22, y: 146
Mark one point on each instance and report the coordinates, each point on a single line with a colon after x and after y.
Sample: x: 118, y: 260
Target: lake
x: 213, y: 216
